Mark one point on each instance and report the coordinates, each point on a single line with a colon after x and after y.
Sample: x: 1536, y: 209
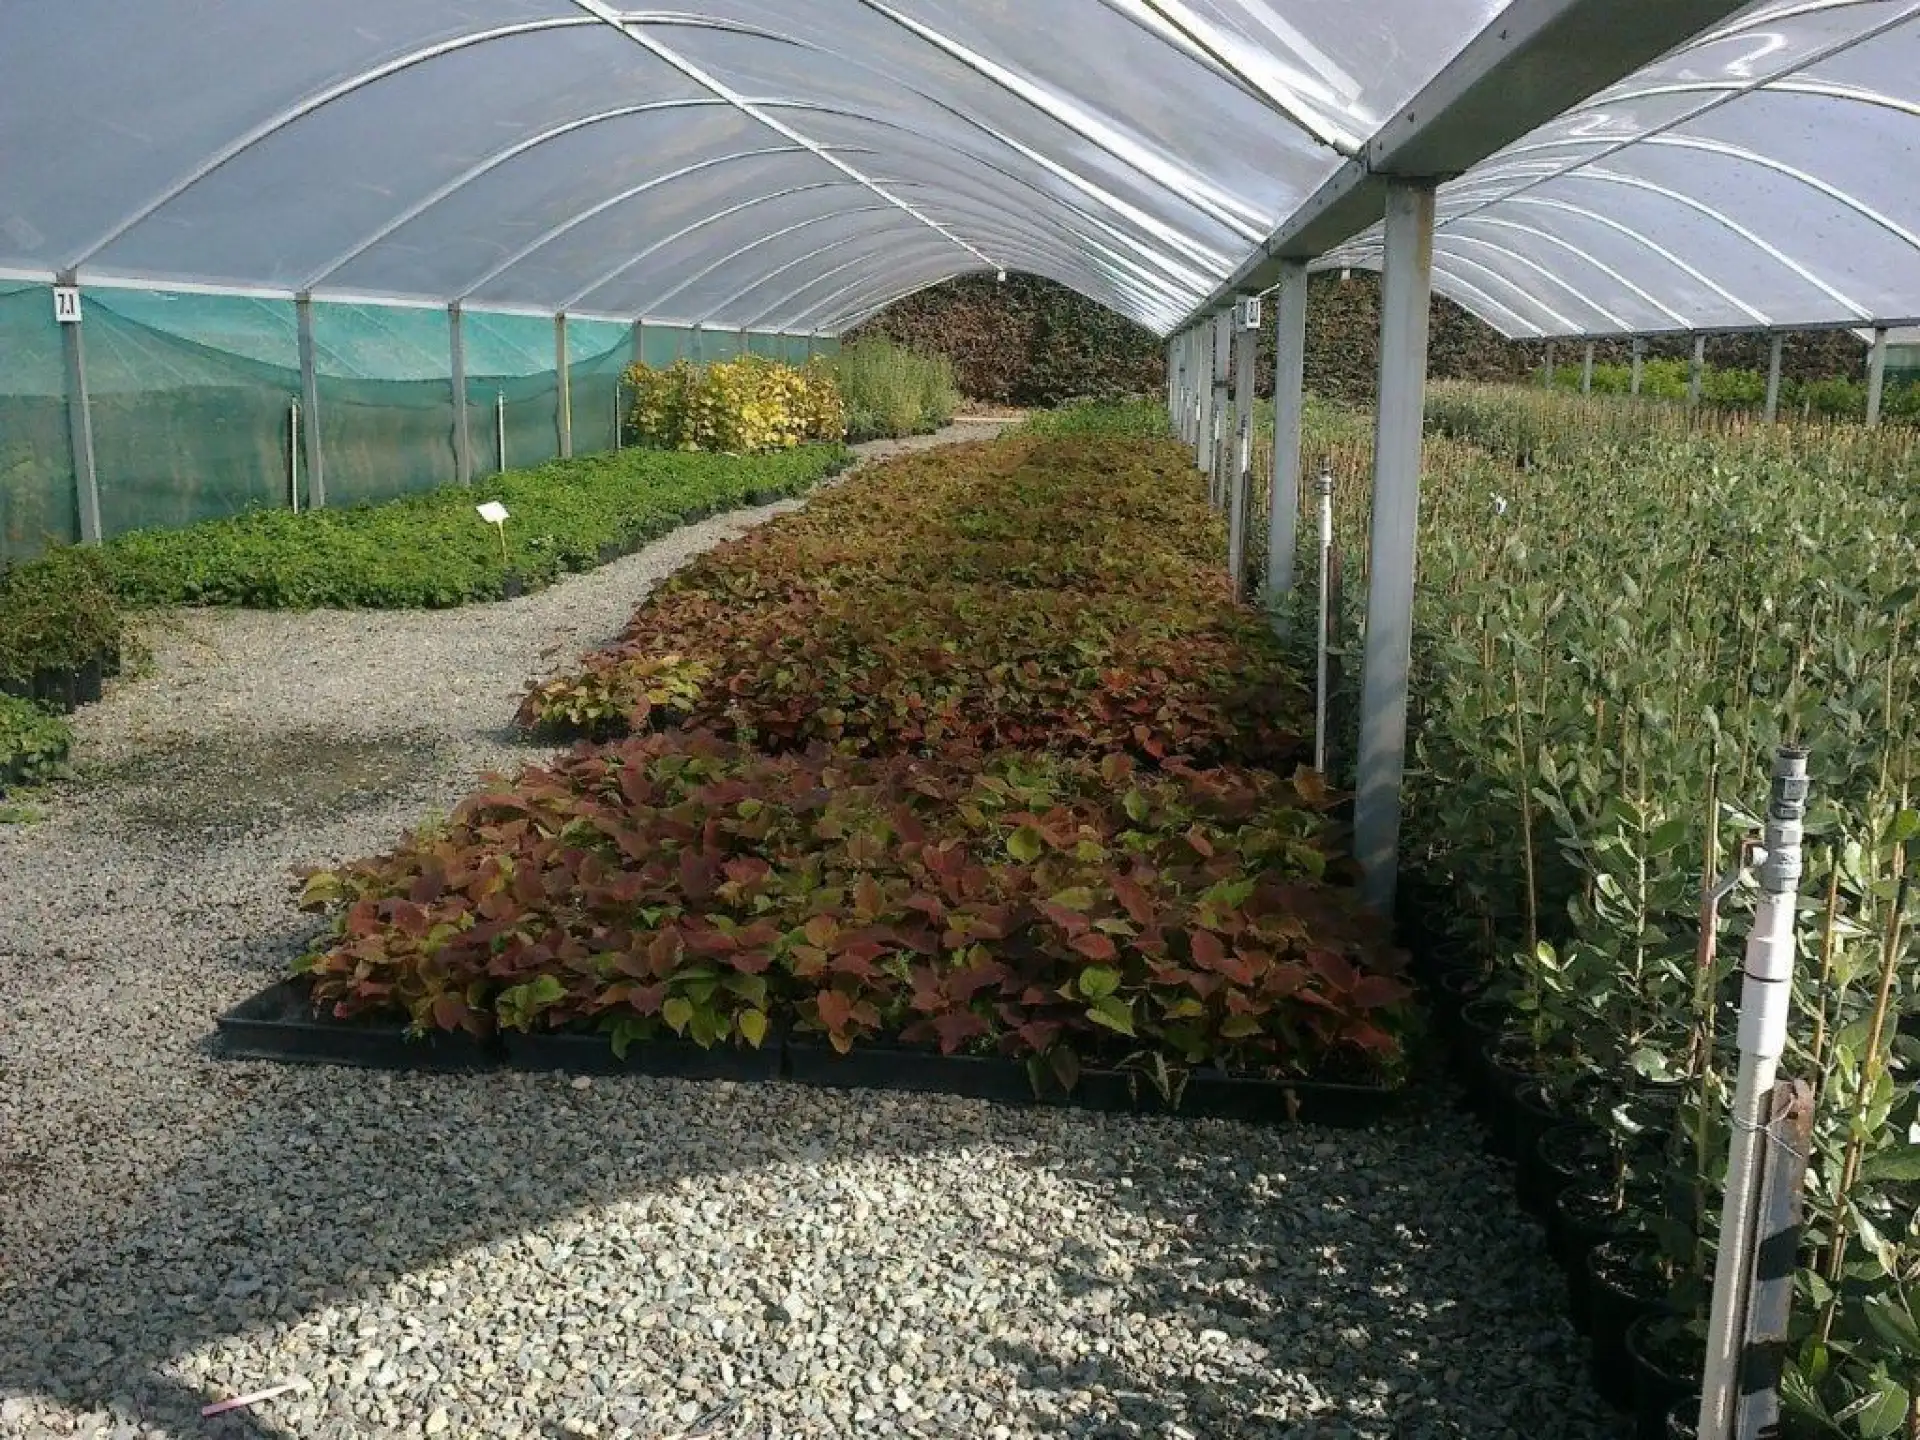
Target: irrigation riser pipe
x: 1766, y: 995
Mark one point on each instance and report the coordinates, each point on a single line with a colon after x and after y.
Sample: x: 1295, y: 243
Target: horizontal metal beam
x: 1536, y: 58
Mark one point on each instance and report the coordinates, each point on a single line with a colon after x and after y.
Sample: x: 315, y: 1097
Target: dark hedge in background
x: 1032, y: 342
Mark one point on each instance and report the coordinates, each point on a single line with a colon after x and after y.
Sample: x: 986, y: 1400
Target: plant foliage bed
x: 33, y: 744
x: 431, y: 550
x: 1033, y: 592
x: 976, y: 758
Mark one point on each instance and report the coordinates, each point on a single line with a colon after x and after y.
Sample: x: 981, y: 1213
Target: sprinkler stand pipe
x: 1766, y: 993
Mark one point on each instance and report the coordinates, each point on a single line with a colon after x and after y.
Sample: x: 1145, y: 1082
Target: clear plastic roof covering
x: 793, y: 165
x: 1763, y: 175
x: 785, y: 165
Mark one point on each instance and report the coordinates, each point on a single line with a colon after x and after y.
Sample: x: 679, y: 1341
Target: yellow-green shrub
x: 737, y: 406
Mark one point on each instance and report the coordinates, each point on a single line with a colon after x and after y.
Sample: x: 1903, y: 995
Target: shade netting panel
x: 36, y: 463
x: 598, y: 354
x: 193, y: 401
x: 386, y: 400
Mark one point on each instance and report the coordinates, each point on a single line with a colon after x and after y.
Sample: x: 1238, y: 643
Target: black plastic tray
x: 279, y: 1024
x: 1205, y: 1095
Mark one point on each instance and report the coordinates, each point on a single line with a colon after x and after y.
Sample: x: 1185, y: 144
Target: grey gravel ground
x: 510, y: 1255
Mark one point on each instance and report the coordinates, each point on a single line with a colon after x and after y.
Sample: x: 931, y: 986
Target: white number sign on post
x: 66, y: 304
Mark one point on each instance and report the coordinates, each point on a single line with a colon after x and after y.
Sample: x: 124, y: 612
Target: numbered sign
x: 66, y: 304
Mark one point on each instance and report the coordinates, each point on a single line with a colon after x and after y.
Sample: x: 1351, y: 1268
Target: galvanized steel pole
x: 1773, y: 376
x: 462, y: 434
x: 563, y: 388
x: 1203, y: 418
x: 1289, y: 395
x: 1246, y: 353
x: 1222, y: 399
x: 1696, y: 371
x: 86, y: 475
x: 310, y: 408
x: 1586, y: 371
x: 1406, y: 288
x: 1639, y: 358
x: 1876, y: 375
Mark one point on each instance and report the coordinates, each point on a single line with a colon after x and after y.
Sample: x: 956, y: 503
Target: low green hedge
x: 33, y: 744
x: 433, y: 551
x: 57, y: 613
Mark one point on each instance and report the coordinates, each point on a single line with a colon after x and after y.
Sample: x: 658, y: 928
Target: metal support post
x: 639, y: 354
x: 563, y: 388
x: 500, y: 430
x: 1766, y: 995
x: 293, y: 454
x: 1549, y: 364
x: 1406, y: 290
x: 462, y: 431
x: 1220, y: 435
x: 1774, y: 345
x: 1696, y: 371
x: 1323, y: 642
x: 1246, y: 353
x: 699, y: 345
x: 310, y: 398
x: 1639, y: 359
x: 1196, y: 393
x: 86, y: 475
x: 1876, y: 375
x: 1203, y: 378
x: 1586, y: 371
x: 1289, y: 397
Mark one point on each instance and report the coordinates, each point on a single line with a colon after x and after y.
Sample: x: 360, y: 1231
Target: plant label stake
x: 1324, y: 643
x: 1766, y: 993
x: 495, y: 514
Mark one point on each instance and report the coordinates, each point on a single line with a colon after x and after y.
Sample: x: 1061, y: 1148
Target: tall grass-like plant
x: 891, y: 391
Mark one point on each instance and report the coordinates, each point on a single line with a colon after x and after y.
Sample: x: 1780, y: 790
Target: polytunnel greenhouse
x: 1239, y: 904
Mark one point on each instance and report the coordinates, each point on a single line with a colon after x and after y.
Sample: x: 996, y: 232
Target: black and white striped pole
x: 1766, y: 996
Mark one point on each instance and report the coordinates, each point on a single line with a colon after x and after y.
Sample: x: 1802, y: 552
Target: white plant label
x: 66, y: 304
x: 493, y: 512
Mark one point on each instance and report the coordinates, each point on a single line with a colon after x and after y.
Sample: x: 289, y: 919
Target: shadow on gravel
x: 241, y: 783
x: 1312, y: 1336
x: 1272, y: 1257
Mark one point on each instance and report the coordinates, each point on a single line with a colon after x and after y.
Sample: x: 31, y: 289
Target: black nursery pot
x: 512, y: 587
x: 18, y: 687
x: 611, y: 551
x: 55, y: 688
x: 87, y: 683
x: 1582, y: 1218
x: 1480, y: 1020
x: 1562, y: 1154
x: 1517, y: 1106
x: 1451, y: 993
x: 1666, y: 1373
x: 1621, y: 1289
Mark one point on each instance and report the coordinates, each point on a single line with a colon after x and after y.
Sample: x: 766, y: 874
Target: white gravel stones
x: 510, y: 1255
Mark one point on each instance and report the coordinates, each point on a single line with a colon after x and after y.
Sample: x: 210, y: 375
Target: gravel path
x: 512, y: 1255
